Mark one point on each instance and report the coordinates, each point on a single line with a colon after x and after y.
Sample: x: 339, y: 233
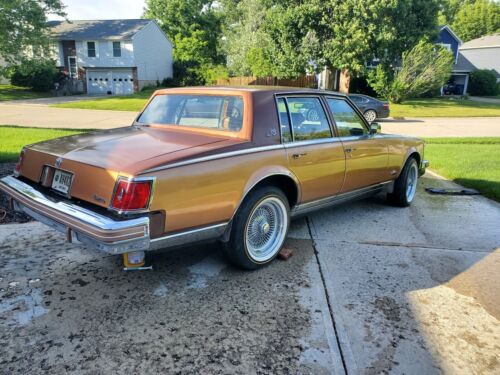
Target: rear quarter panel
x: 210, y: 192
x: 400, y: 148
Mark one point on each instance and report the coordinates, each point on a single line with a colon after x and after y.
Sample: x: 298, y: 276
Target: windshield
x: 207, y: 111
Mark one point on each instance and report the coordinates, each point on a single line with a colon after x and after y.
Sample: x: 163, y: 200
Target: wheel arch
x: 283, y: 179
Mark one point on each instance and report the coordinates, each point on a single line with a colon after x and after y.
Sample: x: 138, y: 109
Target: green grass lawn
x: 13, y: 139
x: 10, y: 92
x: 444, y: 107
x: 470, y: 162
x: 133, y: 102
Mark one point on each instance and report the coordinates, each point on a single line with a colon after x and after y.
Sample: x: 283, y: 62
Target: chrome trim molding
x: 214, y: 157
x: 311, y: 142
x: 87, y: 219
x: 189, y: 236
x: 340, y: 198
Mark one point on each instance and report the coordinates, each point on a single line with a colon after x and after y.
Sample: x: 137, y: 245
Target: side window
x: 309, y: 120
x: 286, y: 134
x: 348, y: 122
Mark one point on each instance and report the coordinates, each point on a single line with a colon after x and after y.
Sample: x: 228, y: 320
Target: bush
x: 40, y: 75
x: 425, y: 68
x: 483, y: 83
x: 188, y: 73
x: 169, y: 82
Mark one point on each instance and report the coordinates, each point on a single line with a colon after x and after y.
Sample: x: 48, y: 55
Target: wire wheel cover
x: 266, y: 229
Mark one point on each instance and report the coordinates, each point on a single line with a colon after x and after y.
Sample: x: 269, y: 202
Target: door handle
x: 296, y: 156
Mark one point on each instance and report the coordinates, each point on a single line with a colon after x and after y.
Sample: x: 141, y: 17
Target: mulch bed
x: 8, y: 216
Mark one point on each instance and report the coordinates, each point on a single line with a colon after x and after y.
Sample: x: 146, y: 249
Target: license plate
x: 62, y: 181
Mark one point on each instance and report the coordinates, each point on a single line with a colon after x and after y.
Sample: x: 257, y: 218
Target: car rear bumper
x: 383, y: 113
x: 92, y: 229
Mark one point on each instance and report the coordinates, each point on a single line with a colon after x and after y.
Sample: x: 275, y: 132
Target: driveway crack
x: 330, y: 310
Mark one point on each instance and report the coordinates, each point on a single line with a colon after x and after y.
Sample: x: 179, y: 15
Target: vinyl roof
x: 96, y: 29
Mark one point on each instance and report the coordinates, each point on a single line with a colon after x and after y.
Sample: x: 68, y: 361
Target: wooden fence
x: 302, y: 81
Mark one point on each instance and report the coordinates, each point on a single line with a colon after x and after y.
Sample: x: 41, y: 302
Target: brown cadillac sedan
x: 228, y: 164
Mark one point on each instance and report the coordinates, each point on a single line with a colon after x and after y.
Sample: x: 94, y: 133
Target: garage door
x: 98, y: 82
x: 117, y: 82
x: 123, y: 83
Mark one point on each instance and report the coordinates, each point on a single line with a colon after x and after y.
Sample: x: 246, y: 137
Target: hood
x: 131, y: 149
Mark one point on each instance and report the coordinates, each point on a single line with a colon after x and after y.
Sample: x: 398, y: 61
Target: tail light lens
x: 19, y: 164
x: 385, y: 105
x: 132, y: 195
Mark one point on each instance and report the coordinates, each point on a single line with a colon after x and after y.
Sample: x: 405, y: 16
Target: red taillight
x: 385, y: 105
x: 132, y: 195
x: 19, y: 164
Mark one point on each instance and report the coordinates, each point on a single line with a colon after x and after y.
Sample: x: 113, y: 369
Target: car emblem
x: 58, y: 162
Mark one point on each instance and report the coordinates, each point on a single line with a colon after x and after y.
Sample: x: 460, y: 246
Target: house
x: 112, y: 56
x: 461, y: 69
x: 481, y: 53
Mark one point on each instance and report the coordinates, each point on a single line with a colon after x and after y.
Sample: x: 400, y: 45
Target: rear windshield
x: 207, y: 111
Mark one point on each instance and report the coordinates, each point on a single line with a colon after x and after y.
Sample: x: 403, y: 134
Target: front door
x: 366, y: 154
x: 315, y: 156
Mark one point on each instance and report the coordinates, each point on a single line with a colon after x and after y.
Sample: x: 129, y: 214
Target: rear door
x: 366, y: 154
x: 315, y: 156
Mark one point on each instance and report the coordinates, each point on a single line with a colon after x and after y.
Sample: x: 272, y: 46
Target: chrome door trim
x: 214, y: 157
x: 340, y: 198
x: 312, y: 142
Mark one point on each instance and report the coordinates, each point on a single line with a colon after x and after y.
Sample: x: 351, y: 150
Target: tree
x: 476, y: 18
x: 295, y: 36
x: 424, y: 68
x: 194, y: 27
x: 23, y: 25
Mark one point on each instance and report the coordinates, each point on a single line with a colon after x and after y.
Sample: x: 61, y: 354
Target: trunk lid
x: 97, y: 158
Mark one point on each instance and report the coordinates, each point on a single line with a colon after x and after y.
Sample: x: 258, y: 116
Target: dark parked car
x: 372, y: 108
x: 453, y: 89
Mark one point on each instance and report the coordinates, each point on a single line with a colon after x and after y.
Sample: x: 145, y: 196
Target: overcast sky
x: 103, y: 9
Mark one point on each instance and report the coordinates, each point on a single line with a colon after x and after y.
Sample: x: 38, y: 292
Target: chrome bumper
x: 90, y: 228
x: 423, y: 165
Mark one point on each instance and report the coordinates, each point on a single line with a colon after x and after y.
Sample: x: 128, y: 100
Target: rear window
x: 204, y: 111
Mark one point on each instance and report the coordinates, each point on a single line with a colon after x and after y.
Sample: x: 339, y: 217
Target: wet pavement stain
x: 192, y: 314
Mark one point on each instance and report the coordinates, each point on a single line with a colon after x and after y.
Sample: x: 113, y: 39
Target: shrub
x: 424, y: 68
x: 483, y: 83
x: 40, y: 75
x: 188, y: 73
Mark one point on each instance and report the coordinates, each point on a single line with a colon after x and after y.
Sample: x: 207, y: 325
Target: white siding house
x: 112, y: 56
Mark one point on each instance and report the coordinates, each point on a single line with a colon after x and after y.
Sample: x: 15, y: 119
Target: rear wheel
x: 370, y: 115
x: 405, y: 186
x: 259, y: 228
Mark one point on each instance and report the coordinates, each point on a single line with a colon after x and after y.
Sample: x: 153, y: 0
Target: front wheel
x: 259, y: 228
x: 405, y: 186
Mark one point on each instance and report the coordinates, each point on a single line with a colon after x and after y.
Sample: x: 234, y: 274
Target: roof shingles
x: 96, y: 29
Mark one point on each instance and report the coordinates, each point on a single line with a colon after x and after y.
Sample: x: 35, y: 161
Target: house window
x: 117, y: 49
x: 91, y: 49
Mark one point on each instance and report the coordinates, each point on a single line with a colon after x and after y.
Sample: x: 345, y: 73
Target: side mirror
x: 375, y: 128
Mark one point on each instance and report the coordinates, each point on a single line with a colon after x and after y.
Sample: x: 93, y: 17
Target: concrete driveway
x: 443, y: 127
x: 370, y: 289
x: 42, y: 116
